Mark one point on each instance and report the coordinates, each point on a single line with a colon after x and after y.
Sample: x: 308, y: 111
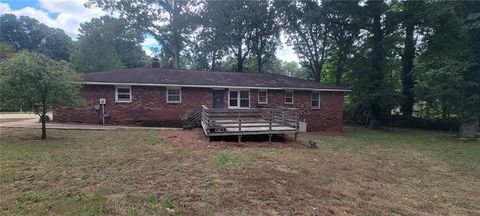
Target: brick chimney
x: 155, y: 63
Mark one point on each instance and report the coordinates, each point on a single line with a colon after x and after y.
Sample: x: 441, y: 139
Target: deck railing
x: 249, y: 121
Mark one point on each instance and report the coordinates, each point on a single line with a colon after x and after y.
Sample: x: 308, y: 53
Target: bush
x: 429, y: 124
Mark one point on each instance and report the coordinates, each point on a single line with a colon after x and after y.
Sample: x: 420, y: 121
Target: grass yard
x: 134, y: 172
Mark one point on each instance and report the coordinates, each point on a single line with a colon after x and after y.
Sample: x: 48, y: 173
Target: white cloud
x: 4, y: 8
x: 70, y: 13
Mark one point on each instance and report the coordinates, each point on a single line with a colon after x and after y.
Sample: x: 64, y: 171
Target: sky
x: 68, y: 14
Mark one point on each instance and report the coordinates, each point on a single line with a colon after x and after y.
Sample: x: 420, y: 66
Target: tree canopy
x: 34, y: 81
x: 108, y: 43
x: 29, y: 34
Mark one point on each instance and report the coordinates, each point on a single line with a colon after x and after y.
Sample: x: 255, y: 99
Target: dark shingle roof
x: 202, y: 78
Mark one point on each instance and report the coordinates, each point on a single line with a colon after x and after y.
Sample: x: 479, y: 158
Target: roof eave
x: 214, y: 86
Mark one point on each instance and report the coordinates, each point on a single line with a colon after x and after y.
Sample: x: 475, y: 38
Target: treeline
x: 418, y: 59
x: 103, y: 43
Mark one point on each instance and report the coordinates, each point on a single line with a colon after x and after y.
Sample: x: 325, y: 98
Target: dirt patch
x: 196, y: 139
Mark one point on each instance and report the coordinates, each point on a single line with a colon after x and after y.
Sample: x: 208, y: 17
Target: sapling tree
x: 36, y: 82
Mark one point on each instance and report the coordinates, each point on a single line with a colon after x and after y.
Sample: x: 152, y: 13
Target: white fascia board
x: 212, y: 86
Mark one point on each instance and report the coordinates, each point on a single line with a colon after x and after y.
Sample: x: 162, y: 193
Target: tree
x: 344, y: 19
x: 243, y: 27
x: 32, y: 80
x: 108, y: 43
x: 470, y: 103
x: 448, y: 73
x: 305, y: 24
x: 27, y: 33
x: 6, y: 50
x: 167, y: 21
x: 266, y: 34
x: 373, y: 96
x: 412, y: 15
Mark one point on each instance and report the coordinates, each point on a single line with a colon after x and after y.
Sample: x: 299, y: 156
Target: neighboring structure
x: 159, y: 97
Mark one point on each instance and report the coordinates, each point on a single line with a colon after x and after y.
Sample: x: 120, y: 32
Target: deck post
x: 296, y: 136
x: 270, y: 128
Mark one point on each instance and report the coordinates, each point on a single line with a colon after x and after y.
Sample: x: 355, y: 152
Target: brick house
x: 159, y: 97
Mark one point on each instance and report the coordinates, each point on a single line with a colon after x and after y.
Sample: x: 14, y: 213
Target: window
x: 262, y: 97
x: 123, y: 94
x: 174, y: 95
x: 233, y: 101
x: 244, y: 99
x: 289, y: 97
x: 239, y: 99
x: 315, y: 99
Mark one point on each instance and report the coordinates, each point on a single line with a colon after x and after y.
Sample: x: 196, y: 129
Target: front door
x: 218, y: 99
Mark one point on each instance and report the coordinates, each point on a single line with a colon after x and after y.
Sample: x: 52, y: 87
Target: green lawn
x: 134, y: 172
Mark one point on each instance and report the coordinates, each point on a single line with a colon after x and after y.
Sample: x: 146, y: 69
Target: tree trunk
x: 468, y: 129
x: 177, y: 40
x: 214, y: 60
x: 176, y: 53
x: 378, y: 62
x: 240, y: 65
x: 373, y: 119
x: 339, y: 68
x: 44, y: 120
x: 239, y: 58
x: 317, y: 67
x: 259, y: 63
x: 407, y: 62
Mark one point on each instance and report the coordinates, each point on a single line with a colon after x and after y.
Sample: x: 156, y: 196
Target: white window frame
x: 319, y: 100
x: 238, y: 98
x: 123, y: 87
x: 179, y: 92
x: 285, y: 96
x: 266, y: 97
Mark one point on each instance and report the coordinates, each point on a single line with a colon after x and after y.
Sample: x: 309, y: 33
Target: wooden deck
x: 253, y: 121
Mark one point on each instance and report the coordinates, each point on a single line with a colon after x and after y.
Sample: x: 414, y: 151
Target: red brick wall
x: 328, y: 117
x: 149, y: 106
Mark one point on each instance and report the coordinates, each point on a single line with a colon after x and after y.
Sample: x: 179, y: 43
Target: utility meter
x: 103, y: 101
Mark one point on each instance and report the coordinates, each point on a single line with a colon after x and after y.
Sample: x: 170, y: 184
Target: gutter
x: 213, y: 86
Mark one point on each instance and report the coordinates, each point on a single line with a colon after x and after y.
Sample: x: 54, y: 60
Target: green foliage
x: 108, y: 43
x: 245, y: 28
x: 167, y: 202
x: 169, y: 22
x: 305, y: 24
x: 29, y: 34
x: 29, y: 80
x: 153, y: 198
x: 226, y: 161
x: 373, y: 95
x: 6, y: 50
x: 448, y: 72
